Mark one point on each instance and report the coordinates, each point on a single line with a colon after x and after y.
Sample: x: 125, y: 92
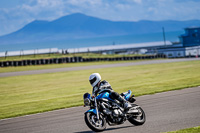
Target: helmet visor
x: 93, y: 80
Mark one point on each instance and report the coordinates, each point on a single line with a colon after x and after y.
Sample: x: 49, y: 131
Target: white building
x: 189, y: 45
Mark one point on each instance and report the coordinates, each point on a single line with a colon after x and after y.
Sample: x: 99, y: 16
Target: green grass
x: 47, y: 56
x: 188, y: 130
x: 29, y: 94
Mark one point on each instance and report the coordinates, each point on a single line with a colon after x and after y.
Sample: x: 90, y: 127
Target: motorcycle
x: 105, y: 110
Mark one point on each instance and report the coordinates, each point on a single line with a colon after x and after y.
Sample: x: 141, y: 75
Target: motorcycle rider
x: 103, y: 86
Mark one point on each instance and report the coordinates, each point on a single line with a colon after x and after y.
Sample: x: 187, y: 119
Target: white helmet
x: 94, y: 79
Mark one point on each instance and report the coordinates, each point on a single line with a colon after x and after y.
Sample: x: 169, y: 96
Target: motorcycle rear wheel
x: 93, y: 123
x: 138, y: 119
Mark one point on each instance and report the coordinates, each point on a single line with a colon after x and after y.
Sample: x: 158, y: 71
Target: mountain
x: 82, y: 26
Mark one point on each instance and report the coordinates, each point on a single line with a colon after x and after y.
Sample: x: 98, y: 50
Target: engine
x: 117, y: 113
x: 117, y: 116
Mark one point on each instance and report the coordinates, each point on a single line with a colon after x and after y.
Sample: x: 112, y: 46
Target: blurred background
x: 30, y: 27
x: 49, y: 48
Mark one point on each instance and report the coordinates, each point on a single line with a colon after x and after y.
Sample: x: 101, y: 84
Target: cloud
x: 137, y: 1
x: 85, y: 2
x: 186, y: 0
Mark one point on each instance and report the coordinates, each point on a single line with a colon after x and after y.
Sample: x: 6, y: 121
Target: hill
x: 82, y: 26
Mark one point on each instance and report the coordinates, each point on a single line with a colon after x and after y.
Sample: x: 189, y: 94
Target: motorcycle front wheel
x: 138, y: 119
x: 93, y: 123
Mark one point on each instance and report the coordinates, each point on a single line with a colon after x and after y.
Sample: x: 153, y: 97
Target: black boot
x: 125, y: 103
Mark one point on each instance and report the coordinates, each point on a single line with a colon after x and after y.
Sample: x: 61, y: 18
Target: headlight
x: 87, y: 102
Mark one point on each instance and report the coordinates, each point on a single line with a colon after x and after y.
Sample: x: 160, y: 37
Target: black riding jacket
x: 104, y: 86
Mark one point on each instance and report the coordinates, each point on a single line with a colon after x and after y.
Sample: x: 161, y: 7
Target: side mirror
x: 86, y: 95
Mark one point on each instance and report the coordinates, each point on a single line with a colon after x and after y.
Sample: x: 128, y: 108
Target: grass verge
x: 188, y: 130
x: 21, y: 95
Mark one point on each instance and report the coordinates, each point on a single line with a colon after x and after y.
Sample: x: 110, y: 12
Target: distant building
x: 191, y: 37
x: 189, y: 45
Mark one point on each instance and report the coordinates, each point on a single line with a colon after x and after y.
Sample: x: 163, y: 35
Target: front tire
x: 138, y: 119
x: 93, y: 123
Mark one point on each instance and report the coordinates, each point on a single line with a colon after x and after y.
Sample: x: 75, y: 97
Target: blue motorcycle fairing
x: 128, y: 95
x: 105, y: 95
x: 102, y: 95
x: 92, y: 110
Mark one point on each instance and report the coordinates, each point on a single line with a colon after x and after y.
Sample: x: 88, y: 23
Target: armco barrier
x: 42, y: 61
x: 25, y: 62
x: 64, y: 60
x: 10, y: 63
x: 1, y: 64
x: 50, y: 61
x: 29, y: 62
x: 71, y: 60
x: 5, y: 64
x: 20, y: 63
x: 38, y: 62
x: 15, y: 63
x: 47, y: 61
x: 33, y: 62
x: 67, y: 60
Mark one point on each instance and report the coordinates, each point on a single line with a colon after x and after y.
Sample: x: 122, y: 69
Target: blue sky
x: 14, y: 14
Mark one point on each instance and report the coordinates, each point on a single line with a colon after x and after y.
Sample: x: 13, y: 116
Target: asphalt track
x: 8, y: 74
x: 167, y: 111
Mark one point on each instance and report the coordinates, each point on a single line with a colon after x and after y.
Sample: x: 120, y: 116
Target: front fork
x: 95, y: 102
